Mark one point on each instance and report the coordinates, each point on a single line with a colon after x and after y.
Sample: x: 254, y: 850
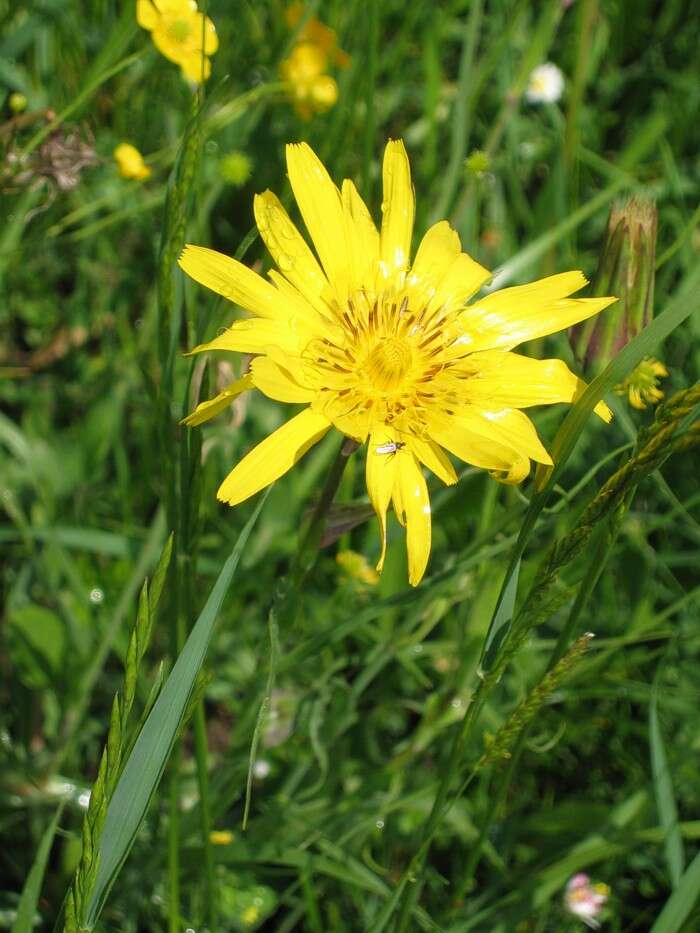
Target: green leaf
x: 144, y: 768
x: 677, y: 908
x: 502, y: 619
x: 38, y: 645
x: 665, y: 799
x: 24, y: 921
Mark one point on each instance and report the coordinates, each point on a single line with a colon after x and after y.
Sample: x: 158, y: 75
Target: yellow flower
x: 641, y: 386
x: 250, y: 915
x: 180, y: 33
x: 385, y: 350
x: 355, y: 566
x: 304, y: 72
x: 130, y: 162
x: 221, y: 837
x: 314, y: 31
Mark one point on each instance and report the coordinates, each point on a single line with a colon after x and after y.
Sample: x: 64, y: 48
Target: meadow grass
x: 259, y: 738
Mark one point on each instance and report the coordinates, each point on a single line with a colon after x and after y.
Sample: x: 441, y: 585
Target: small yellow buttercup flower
x: 130, y: 162
x: 386, y: 349
x: 642, y: 385
x: 181, y: 33
x: 304, y: 71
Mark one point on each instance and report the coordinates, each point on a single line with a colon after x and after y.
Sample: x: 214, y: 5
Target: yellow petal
x: 232, y: 280
x: 518, y: 470
x: 457, y: 437
x: 437, y: 251
x: 411, y: 500
x: 195, y: 66
x: 211, y: 40
x: 380, y: 475
x: 273, y: 457
x: 320, y: 206
x: 277, y: 382
x: 361, y: 236
x: 253, y: 336
x: 214, y: 406
x: 501, y: 379
x: 508, y: 317
x: 464, y: 277
x: 435, y: 458
x: 509, y: 427
x: 398, y: 208
x: 287, y: 247
x: 146, y: 14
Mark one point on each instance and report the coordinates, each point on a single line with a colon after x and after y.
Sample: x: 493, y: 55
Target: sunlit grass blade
x: 144, y: 768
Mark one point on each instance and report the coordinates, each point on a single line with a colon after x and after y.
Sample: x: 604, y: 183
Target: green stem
x: 464, y: 107
x: 371, y: 63
x: 174, y: 842
x: 201, y: 753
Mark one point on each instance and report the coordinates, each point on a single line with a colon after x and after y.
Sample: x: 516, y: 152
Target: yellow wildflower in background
x: 304, y: 71
x: 221, y: 837
x: 181, y: 33
x: 642, y: 385
x: 385, y: 350
x: 130, y: 162
x: 356, y: 567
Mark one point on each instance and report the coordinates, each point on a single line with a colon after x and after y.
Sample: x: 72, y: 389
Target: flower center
x: 388, y: 362
x: 179, y: 30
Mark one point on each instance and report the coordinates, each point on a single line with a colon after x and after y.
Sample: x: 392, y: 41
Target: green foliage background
x: 371, y: 679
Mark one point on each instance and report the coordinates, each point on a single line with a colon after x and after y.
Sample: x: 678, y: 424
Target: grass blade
x: 149, y: 755
x: 24, y: 921
x: 665, y: 798
x: 672, y: 918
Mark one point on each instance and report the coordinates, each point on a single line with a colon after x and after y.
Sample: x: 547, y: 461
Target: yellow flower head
x: 180, y: 33
x: 221, y: 837
x: 642, y: 385
x: 130, y: 162
x: 304, y: 72
x: 384, y: 349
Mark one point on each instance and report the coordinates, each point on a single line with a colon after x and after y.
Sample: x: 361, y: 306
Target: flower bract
x: 385, y: 348
x: 181, y: 33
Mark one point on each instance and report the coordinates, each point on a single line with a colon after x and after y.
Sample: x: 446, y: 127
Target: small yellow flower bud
x: 236, y: 168
x: 17, y: 102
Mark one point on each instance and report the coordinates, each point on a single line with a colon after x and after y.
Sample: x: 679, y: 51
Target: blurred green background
x: 373, y: 676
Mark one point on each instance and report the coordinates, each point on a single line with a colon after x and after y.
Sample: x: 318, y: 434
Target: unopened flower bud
x: 17, y: 102
x: 626, y: 269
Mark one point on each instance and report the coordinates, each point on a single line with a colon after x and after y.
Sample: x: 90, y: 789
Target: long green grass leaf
x: 24, y: 921
x: 679, y: 905
x: 665, y: 798
x: 143, y: 770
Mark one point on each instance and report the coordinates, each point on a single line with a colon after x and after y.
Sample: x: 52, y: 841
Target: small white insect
x: 391, y: 448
